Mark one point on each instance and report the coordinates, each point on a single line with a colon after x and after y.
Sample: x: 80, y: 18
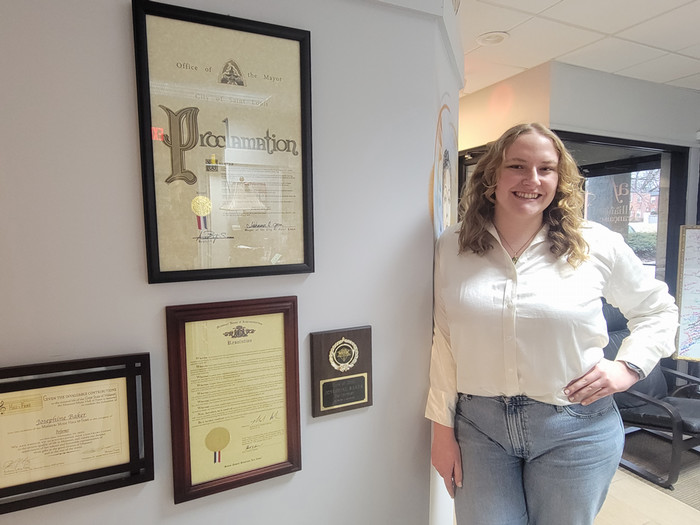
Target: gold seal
x: 217, y: 439
x: 343, y: 355
x: 201, y: 206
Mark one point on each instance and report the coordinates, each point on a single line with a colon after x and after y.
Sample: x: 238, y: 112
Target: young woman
x: 525, y: 430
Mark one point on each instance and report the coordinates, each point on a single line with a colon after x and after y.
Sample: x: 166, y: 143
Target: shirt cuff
x: 441, y: 408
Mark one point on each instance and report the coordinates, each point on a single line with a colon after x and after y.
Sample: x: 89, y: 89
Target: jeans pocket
x: 462, y: 401
x: 595, y: 409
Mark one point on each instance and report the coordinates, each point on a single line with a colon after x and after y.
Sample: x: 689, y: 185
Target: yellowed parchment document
x: 236, y: 394
x: 61, y: 430
x: 227, y: 146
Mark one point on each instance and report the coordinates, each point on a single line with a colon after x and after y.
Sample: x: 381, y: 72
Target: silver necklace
x: 516, y: 253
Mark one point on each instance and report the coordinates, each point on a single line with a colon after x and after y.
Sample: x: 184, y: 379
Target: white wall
x: 587, y: 101
x: 72, y: 265
x: 487, y: 113
x: 572, y: 98
x: 600, y: 103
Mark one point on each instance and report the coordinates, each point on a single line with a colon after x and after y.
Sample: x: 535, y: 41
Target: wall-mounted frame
x: 225, y: 127
x: 72, y: 428
x: 234, y: 394
x: 688, y: 294
x: 341, y: 370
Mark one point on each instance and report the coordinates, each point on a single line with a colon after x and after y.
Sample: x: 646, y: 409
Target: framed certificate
x: 73, y: 428
x: 234, y: 394
x: 225, y: 128
x: 688, y: 294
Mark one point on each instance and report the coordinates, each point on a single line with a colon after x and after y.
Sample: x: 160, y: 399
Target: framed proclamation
x: 225, y: 128
x: 341, y: 370
x: 234, y: 394
x: 73, y: 428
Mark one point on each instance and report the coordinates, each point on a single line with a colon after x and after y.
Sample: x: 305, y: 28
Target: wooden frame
x: 73, y: 428
x: 234, y: 394
x: 225, y: 127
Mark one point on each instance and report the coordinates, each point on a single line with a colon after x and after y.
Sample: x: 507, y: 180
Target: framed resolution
x: 73, y: 428
x: 688, y: 294
x: 225, y: 127
x: 234, y: 394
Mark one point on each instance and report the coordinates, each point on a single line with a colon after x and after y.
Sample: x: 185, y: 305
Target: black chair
x: 666, y: 403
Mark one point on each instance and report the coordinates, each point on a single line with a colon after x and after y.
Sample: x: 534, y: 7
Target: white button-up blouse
x: 504, y: 329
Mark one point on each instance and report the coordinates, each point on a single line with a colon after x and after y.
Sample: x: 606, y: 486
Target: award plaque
x: 341, y: 370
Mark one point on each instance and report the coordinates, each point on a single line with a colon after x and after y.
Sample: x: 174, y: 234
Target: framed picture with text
x: 73, y: 428
x: 225, y: 128
x: 234, y: 394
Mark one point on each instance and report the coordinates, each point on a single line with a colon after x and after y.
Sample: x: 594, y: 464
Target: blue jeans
x: 530, y: 463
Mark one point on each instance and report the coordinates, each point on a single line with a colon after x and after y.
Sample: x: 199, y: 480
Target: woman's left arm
x: 652, y: 320
x: 605, y: 378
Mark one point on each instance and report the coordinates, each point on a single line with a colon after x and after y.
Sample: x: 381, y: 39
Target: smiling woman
x: 520, y: 393
x: 527, y: 182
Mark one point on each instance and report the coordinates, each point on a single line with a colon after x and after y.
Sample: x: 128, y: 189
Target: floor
x: 633, y: 502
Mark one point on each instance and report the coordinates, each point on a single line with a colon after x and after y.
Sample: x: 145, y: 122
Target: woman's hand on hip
x: 605, y: 378
x: 446, y: 457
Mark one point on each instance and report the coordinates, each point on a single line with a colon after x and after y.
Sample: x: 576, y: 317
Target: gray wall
x: 73, y: 274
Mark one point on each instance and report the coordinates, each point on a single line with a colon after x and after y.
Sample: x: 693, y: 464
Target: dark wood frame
x: 177, y: 317
x: 136, y: 369
x: 142, y: 8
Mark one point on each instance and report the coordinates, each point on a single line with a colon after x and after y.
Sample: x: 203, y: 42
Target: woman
x: 525, y: 430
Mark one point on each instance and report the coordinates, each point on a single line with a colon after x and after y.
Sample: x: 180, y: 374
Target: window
x: 638, y: 190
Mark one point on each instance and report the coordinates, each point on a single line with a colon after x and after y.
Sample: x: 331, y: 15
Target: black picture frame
x: 225, y: 136
x: 48, y: 415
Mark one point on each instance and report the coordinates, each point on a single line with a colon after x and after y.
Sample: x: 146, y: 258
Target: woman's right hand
x: 446, y: 457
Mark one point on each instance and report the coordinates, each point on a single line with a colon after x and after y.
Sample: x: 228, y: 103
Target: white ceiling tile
x: 608, y: 16
x: 476, y: 18
x: 481, y: 74
x: 657, y: 40
x: 610, y: 55
x: 664, y: 69
x: 529, y: 6
x: 672, y: 31
x: 529, y: 45
x: 691, y: 51
x: 691, y: 82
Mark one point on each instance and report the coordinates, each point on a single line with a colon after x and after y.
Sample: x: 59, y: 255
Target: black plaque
x: 341, y: 370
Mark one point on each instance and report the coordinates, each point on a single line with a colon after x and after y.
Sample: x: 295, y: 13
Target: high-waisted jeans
x: 530, y: 463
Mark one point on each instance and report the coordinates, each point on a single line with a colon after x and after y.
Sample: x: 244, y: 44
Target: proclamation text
x: 236, y: 395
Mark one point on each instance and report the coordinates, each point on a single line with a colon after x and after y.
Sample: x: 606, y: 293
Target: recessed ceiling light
x: 492, y: 38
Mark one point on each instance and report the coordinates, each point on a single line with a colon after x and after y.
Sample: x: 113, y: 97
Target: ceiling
x: 653, y: 40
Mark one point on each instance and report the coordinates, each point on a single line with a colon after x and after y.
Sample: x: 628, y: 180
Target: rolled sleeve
x: 442, y: 395
x: 650, y: 310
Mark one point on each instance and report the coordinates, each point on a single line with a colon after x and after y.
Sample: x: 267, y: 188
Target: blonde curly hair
x: 564, y: 215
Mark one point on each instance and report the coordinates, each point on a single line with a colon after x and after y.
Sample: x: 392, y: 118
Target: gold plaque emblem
x: 201, y: 206
x: 343, y: 355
